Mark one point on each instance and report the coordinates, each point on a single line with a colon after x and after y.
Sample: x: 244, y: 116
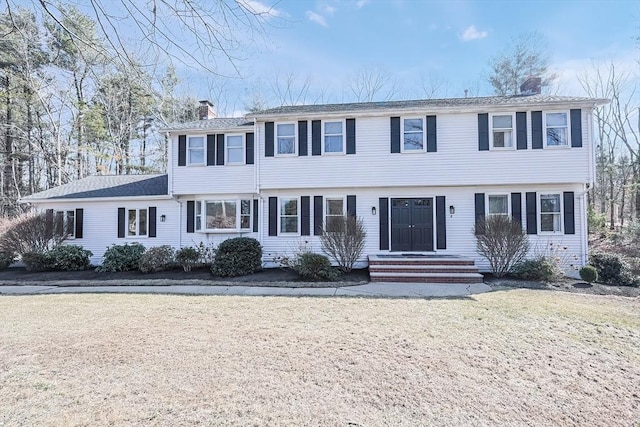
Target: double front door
x: 412, y: 225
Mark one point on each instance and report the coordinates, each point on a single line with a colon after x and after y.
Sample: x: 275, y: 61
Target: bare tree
x: 290, y: 89
x: 434, y: 86
x: 372, y: 83
x: 502, y: 242
x: 344, y: 241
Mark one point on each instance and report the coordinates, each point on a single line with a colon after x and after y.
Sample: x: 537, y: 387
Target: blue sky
x: 325, y: 42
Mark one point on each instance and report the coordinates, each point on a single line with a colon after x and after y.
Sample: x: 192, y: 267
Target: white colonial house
x: 419, y: 174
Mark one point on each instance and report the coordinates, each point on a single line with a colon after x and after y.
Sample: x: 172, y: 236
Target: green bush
x: 613, y: 270
x: 159, y: 258
x: 69, y: 258
x: 540, y: 269
x: 122, y: 257
x: 37, y: 261
x: 589, y: 273
x: 6, y: 259
x: 315, y: 267
x: 237, y: 257
x: 596, y: 222
x: 187, y: 258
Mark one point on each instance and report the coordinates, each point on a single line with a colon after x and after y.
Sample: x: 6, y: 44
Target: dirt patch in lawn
x: 566, y: 284
x: 504, y: 358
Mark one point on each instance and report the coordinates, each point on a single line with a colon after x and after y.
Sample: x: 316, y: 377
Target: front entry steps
x: 415, y: 268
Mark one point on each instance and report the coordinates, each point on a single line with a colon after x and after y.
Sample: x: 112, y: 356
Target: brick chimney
x: 531, y: 86
x: 206, y: 111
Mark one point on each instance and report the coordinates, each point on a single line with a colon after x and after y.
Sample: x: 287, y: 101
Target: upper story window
x: 498, y: 204
x: 286, y: 138
x: 502, y: 131
x: 235, y: 149
x: 289, y: 216
x: 195, y: 150
x: 137, y: 223
x: 557, y: 129
x: 224, y: 215
x: 413, y: 135
x: 550, y: 213
x: 333, y: 137
x: 334, y: 212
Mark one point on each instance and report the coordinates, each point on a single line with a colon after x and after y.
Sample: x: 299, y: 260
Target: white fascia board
x: 97, y: 199
x: 204, y: 131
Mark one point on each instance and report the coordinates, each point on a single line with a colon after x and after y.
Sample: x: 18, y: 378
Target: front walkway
x: 378, y: 289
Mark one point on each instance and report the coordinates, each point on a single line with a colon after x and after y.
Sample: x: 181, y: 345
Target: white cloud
x: 361, y: 3
x: 317, y: 18
x: 328, y: 9
x: 472, y: 33
x: 259, y: 8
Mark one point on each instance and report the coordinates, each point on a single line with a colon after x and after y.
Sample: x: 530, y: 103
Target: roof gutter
x: 96, y: 199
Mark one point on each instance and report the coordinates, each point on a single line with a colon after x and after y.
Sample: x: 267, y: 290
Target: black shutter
x: 569, y: 213
x: 479, y: 211
x: 516, y: 207
x: 268, y: 139
x: 255, y: 215
x: 152, y: 221
x: 317, y: 215
x: 521, y: 130
x: 211, y: 150
x: 182, y: 150
x: 432, y: 135
x: 532, y: 214
x: 576, y: 128
x: 536, y: 130
x: 383, y: 212
x: 191, y: 216
x: 273, y: 216
x: 48, y: 217
x: 121, y: 222
x: 441, y: 222
x: 220, y: 149
x: 316, y: 137
x: 351, y: 206
x: 483, y: 132
x: 395, y: 136
x: 303, y: 145
x: 351, y: 136
x: 79, y: 223
x: 250, y: 152
x: 305, y: 215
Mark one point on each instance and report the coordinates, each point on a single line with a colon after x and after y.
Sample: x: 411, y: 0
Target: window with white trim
x: 557, y: 129
x: 550, y: 213
x: 333, y: 137
x: 289, y: 216
x: 198, y: 216
x: 235, y: 149
x: 286, y: 138
x: 195, y: 150
x: 223, y: 215
x: 334, y: 212
x: 66, y: 223
x: 498, y: 204
x: 413, y: 134
x: 245, y: 214
x: 136, y: 222
x: 502, y: 130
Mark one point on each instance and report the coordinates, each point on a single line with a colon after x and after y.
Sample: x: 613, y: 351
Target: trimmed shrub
x: 343, y: 240
x: 6, y: 259
x: 37, y: 261
x: 159, y: 258
x: 540, y: 269
x: 237, y: 257
x: 122, y: 257
x: 502, y: 242
x: 613, y: 270
x: 69, y: 258
x: 589, y: 273
x: 187, y: 258
x: 315, y: 267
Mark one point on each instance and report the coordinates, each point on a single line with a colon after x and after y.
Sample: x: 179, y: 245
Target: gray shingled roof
x: 106, y: 186
x: 218, y: 123
x: 429, y: 104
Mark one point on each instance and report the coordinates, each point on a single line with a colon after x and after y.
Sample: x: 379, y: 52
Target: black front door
x: 412, y: 225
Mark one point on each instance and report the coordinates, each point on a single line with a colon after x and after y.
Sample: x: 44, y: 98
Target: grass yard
x: 504, y: 358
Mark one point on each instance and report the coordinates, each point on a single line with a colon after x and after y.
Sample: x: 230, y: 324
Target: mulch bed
x: 566, y: 284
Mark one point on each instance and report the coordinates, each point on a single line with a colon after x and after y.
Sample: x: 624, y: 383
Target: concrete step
x: 426, y: 277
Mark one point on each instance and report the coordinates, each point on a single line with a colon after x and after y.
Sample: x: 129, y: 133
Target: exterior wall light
x: 452, y: 209
x: 163, y: 218
x: 373, y: 210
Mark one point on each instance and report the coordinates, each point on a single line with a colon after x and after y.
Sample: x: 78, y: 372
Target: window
x: 198, y: 216
x: 498, y: 204
x: 137, y: 223
x: 502, y: 131
x: 413, y: 131
x: 195, y: 149
x: 224, y: 215
x: 66, y: 223
x: 334, y: 212
x: 288, y: 215
x: 550, y: 213
x: 235, y: 149
x: 286, y: 137
x: 557, y: 134
x: 333, y: 140
x: 245, y: 214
